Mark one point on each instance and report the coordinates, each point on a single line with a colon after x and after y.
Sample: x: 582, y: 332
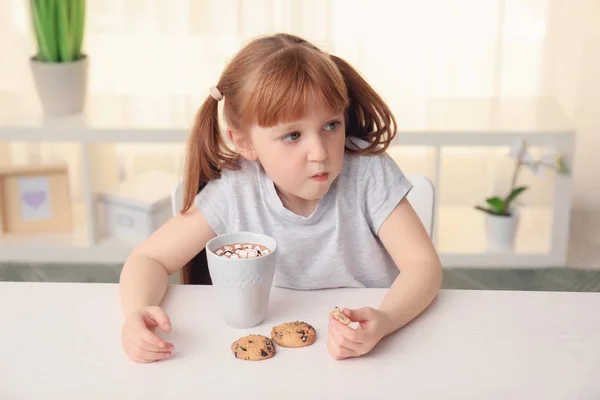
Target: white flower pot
x: 501, y: 231
x: 61, y: 87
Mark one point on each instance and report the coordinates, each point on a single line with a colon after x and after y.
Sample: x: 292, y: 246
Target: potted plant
x: 502, y: 216
x: 59, y: 68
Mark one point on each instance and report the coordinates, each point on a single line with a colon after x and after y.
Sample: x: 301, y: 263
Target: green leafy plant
x: 59, y: 29
x: 501, y: 206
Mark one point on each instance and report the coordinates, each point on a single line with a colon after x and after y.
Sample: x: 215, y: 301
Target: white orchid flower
x: 519, y: 152
x: 539, y: 169
x: 550, y: 158
x: 554, y: 159
x: 517, y: 149
x: 528, y: 160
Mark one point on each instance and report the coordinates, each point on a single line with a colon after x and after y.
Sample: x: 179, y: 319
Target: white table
x: 63, y: 341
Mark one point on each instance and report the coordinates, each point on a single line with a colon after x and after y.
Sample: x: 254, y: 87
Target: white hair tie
x: 216, y: 94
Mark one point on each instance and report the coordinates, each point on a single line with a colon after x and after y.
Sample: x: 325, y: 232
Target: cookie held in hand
x: 340, y: 316
x: 294, y: 334
x: 253, y: 348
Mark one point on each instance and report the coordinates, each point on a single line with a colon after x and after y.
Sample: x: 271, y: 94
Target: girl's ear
x: 242, y: 144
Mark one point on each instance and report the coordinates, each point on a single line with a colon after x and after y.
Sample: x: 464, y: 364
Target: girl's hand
x: 140, y: 342
x: 344, y: 341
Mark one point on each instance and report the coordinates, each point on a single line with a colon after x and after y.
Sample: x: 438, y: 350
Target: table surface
x: 62, y: 340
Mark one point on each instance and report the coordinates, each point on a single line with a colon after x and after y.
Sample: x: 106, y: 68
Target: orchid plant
x: 552, y: 159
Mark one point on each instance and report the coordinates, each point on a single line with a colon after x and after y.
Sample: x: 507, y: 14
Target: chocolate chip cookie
x: 340, y: 316
x: 293, y: 334
x: 253, y: 348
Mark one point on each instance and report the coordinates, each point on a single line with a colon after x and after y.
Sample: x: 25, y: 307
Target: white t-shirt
x: 337, y: 245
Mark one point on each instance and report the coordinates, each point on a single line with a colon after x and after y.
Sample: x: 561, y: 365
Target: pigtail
x: 368, y: 116
x: 207, y: 152
x: 206, y: 155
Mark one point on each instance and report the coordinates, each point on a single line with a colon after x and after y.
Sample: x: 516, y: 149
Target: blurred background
x: 466, y: 79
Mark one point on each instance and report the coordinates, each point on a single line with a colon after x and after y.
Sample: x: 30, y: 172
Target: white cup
x: 243, y: 285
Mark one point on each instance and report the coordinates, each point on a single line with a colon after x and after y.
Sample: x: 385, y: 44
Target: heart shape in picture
x: 34, y: 199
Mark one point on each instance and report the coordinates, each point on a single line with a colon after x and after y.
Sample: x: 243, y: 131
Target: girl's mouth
x: 321, y: 177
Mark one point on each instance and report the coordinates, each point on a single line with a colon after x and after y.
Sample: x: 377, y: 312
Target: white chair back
x: 177, y: 199
x: 422, y: 199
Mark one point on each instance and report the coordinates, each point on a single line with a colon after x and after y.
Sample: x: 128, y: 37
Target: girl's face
x: 303, y: 157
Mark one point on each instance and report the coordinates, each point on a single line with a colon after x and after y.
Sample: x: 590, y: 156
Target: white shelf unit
x: 434, y: 124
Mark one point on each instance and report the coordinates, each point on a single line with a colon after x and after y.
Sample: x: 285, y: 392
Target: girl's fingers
x: 140, y: 330
x: 160, y: 317
x: 150, y: 323
x: 350, y: 335
x: 151, y: 356
x: 138, y: 354
x: 337, y: 351
x: 150, y: 338
x: 150, y: 347
x: 345, y: 342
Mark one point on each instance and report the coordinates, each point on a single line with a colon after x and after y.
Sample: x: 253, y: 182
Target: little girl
x: 309, y: 169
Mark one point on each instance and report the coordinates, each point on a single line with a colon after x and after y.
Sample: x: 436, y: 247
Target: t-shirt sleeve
x: 216, y: 202
x: 383, y: 186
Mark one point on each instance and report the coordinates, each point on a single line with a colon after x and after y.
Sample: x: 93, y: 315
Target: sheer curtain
x: 176, y: 49
x: 404, y: 47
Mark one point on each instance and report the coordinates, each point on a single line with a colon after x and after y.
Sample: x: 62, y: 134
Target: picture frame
x: 35, y: 199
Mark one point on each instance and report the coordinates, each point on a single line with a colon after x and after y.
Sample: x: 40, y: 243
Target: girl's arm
x: 144, y: 277
x: 409, y: 245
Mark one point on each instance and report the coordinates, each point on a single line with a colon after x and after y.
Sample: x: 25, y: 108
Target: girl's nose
x: 317, y: 150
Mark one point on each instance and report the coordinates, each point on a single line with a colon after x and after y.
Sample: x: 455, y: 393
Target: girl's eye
x: 331, y: 125
x: 290, y: 137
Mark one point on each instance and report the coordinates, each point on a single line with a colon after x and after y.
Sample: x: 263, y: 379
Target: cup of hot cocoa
x: 242, y: 266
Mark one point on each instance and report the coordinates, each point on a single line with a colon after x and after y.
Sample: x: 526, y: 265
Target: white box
x: 131, y: 213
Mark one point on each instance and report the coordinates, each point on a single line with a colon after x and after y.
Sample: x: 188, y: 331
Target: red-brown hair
x: 271, y: 80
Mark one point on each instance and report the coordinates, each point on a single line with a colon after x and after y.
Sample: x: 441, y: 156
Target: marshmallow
x: 241, y: 251
x: 252, y: 253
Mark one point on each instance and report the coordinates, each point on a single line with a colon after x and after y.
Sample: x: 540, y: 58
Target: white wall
x: 574, y: 78
x: 463, y: 48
